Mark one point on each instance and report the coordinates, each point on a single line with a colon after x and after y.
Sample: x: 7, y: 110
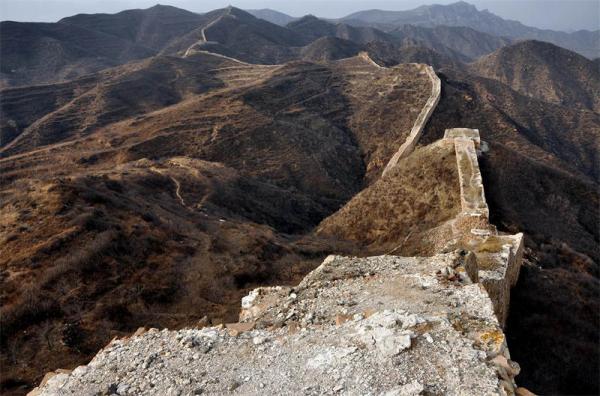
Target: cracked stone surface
x: 359, y: 326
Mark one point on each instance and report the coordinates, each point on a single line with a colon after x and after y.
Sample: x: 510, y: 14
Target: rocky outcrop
x: 379, y: 325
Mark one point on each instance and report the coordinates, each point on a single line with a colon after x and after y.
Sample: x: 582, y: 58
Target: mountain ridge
x: 464, y: 14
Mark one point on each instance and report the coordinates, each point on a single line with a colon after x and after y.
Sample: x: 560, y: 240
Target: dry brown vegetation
x: 161, y: 217
x: 544, y: 71
x: 420, y: 194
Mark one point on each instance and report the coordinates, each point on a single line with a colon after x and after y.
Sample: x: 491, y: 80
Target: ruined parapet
x: 417, y: 130
x: 466, y: 133
x: 381, y: 325
x: 499, y: 260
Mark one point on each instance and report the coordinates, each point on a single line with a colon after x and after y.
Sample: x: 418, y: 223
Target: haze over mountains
x: 461, y: 14
x: 156, y: 164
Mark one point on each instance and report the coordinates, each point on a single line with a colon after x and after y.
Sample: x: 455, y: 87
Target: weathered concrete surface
x: 417, y: 130
x: 372, y: 326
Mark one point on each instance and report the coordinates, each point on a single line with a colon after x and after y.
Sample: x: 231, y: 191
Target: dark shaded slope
x: 276, y: 17
x: 465, y: 41
x: 553, y: 321
x: 540, y: 177
x: 390, y: 54
x: 557, y: 136
x: 241, y: 34
x: 328, y: 49
x: 313, y: 28
x: 154, y: 27
x: 38, y: 53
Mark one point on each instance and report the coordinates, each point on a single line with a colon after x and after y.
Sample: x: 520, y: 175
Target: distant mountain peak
x: 463, y: 5
x: 237, y: 12
x: 467, y: 15
x: 309, y: 16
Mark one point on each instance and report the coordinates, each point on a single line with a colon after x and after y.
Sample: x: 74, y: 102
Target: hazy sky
x: 549, y: 14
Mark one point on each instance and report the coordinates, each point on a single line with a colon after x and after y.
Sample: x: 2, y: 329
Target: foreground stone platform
x: 359, y: 326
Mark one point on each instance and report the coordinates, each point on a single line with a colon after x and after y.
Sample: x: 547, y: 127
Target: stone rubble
x: 408, y: 326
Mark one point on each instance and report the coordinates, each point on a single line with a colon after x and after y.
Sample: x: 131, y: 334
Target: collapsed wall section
x: 381, y: 325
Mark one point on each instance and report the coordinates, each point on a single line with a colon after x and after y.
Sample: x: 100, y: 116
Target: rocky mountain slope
x: 469, y: 43
x: 35, y: 53
x: 84, y: 44
x: 152, y: 28
x: 179, y: 204
x: 544, y: 71
x: 276, y: 17
x: 314, y: 28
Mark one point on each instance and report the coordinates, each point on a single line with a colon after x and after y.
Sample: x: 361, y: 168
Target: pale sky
x: 549, y: 14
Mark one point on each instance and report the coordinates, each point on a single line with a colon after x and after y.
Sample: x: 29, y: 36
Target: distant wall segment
x: 417, y: 130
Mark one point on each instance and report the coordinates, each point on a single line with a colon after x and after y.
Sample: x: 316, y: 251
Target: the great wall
x: 384, y: 325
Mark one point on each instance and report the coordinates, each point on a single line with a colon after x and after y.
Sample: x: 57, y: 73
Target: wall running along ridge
x: 383, y: 325
x: 417, y: 130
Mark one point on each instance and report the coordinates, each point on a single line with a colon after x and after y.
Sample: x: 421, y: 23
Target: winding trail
x: 177, y: 184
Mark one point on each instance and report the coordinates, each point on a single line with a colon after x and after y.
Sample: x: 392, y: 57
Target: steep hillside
x: 400, y: 216
x: 460, y: 44
x: 465, y: 41
x: 329, y: 48
x: 386, y: 53
x: 545, y: 71
x: 32, y: 118
x: 251, y: 39
x: 541, y: 177
x: 535, y: 128
x: 314, y: 28
x: 153, y: 27
x: 464, y: 14
x: 276, y: 17
x: 38, y: 53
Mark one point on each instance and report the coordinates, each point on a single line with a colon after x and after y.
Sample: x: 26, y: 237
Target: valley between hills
x: 158, y: 165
